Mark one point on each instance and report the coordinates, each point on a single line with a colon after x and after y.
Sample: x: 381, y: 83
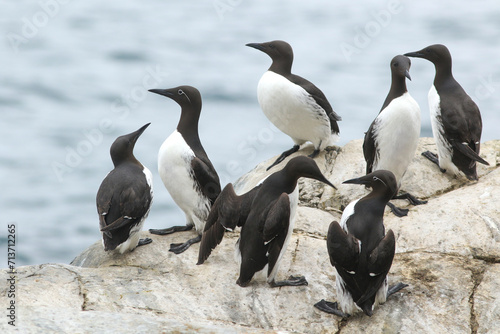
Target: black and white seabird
x: 392, y: 139
x: 456, y: 120
x: 293, y: 104
x: 184, y: 167
x: 361, y: 251
x: 267, y: 215
x: 124, y: 197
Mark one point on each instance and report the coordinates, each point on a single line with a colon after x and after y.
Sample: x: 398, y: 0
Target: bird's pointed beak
x: 358, y: 180
x: 407, y: 74
x: 141, y: 130
x: 257, y: 46
x: 136, y: 134
x: 164, y: 92
x: 325, y: 180
x: 417, y: 54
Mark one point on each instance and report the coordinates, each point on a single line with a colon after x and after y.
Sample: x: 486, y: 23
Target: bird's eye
x: 271, y: 46
x: 396, y: 64
x: 180, y: 92
x: 375, y: 178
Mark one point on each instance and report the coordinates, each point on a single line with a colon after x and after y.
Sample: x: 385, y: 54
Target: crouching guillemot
x: 361, y: 251
x: 392, y: 139
x: 267, y: 215
x: 294, y: 105
x: 124, y: 197
x: 456, y: 120
x: 184, y: 167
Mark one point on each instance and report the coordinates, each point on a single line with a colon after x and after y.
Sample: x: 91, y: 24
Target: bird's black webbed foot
x: 412, y: 199
x: 170, y: 230
x: 283, y: 156
x: 145, y: 241
x: 433, y: 158
x: 397, y: 211
x: 314, y: 154
x: 395, y: 288
x: 291, y: 281
x: 331, y: 308
x: 178, y: 248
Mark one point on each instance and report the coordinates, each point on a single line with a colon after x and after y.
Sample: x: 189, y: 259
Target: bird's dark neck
x: 443, y: 74
x: 283, y: 182
x: 282, y: 67
x: 188, y: 128
x: 398, y: 88
x: 131, y: 162
x: 377, y: 196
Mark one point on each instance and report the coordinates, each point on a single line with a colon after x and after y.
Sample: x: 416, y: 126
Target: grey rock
x: 447, y: 251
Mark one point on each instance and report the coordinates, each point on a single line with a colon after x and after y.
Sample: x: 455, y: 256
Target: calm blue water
x: 74, y: 76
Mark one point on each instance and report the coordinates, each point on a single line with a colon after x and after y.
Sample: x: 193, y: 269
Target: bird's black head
x: 437, y: 54
x: 400, y: 66
x: 187, y: 97
x: 280, y: 52
x: 122, y: 148
x: 303, y: 166
x: 382, y: 181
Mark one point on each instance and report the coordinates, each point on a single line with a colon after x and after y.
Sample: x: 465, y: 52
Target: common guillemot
x: 361, y: 251
x: 392, y: 139
x: 293, y: 104
x: 184, y: 167
x: 456, y: 120
x: 267, y: 215
x: 124, y: 197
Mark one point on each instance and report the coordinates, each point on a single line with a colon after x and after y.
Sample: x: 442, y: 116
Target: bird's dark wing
x: 122, y: 201
x: 462, y: 125
x: 118, y: 223
x: 277, y: 218
x: 207, y: 178
x: 469, y: 150
x: 276, y: 228
x: 369, y: 149
x: 103, y: 201
x: 320, y: 99
x: 379, y: 263
x: 343, y: 248
x: 228, y: 211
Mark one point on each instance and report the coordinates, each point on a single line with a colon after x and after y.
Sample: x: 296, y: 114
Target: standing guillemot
x: 124, y: 197
x: 456, y: 120
x: 392, y: 139
x: 184, y: 167
x: 294, y: 105
x: 267, y: 216
x: 361, y: 251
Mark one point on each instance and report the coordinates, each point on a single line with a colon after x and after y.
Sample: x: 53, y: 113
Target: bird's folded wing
x: 343, y: 248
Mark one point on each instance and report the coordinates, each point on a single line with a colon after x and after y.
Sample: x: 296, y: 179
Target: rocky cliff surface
x: 448, y: 251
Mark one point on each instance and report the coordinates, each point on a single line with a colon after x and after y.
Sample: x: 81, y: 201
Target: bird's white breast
x: 174, y: 167
x: 396, y: 130
x: 348, y: 212
x: 443, y: 146
x: 292, y: 110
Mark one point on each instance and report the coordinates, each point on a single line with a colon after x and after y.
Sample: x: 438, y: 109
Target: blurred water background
x: 74, y: 75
